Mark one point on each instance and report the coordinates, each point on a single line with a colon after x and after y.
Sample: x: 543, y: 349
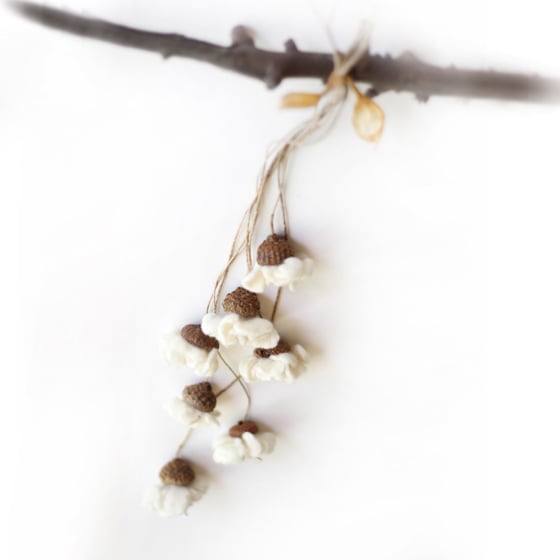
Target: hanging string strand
x: 241, y: 382
x: 281, y: 199
x: 276, y: 304
x: 226, y: 388
x: 184, y: 441
x: 237, y: 248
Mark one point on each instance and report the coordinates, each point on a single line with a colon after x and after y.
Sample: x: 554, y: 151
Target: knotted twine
x: 279, y: 155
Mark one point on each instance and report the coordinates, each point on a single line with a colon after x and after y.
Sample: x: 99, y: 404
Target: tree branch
x: 382, y: 73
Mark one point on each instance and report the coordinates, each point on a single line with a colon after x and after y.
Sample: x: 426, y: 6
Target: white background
x: 427, y: 424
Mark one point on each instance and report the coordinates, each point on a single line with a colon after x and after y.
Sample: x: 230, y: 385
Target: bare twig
x: 382, y: 73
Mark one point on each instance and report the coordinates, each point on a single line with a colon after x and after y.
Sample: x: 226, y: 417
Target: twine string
x: 276, y: 304
x: 239, y: 380
x: 226, y: 388
x: 184, y: 441
x: 236, y: 250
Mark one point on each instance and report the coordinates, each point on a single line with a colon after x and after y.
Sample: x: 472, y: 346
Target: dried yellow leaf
x: 299, y: 100
x: 368, y: 119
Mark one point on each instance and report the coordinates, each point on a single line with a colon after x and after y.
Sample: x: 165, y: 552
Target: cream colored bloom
x: 231, y: 450
x: 283, y: 367
x: 287, y: 273
x: 169, y: 500
x: 231, y: 329
x: 186, y: 414
x: 177, y: 351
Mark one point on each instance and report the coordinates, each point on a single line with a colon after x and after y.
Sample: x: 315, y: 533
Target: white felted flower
x: 231, y: 329
x: 287, y: 273
x: 231, y: 450
x: 177, y: 351
x: 186, y: 414
x: 169, y: 500
x: 283, y: 367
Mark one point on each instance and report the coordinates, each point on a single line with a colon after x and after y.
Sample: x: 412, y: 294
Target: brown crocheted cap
x: 243, y: 302
x: 280, y: 348
x: 243, y: 426
x: 177, y: 472
x: 274, y: 250
x: 193, y: 335
x: 200, y: 396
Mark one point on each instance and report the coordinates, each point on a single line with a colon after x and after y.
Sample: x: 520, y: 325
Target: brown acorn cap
x: 280, y: 348
x: 200, y: 396
x: 274, y: 250
x: 243, y: 426
x: 177, y: 472
x: 193, y: 335
x: 243, y: 302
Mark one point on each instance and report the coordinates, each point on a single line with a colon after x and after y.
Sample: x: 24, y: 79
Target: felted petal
x: 262, y: 369
x: 210, y: 324
x: 177, y: 351
x: 300, y: 352
x: 257, y: 332
x: 231, y: 329
x: 267, y: 441
x: 203, y: 362
x: 186, y: 414
x: 284, y: 367
x: 173, y: 349
x: 254, y: 448
x: 247, y: 369
x: 169, y: 500
x: 288, y: 273
x: 255, y: 281
x: 211, y: 363
x: 258, y: 444
x: 229, y: 450
x: 227, y: 329
x: 174, y: 500
x: 221, y: 327
x: 293, y: 362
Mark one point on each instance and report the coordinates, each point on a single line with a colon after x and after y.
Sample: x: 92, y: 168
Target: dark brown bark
x: 382, y: 73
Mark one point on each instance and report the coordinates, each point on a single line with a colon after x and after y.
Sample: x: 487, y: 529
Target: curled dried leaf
x: 299, y: 100
x: 368, y: 119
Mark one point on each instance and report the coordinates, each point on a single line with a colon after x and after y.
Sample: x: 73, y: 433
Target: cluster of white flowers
x: 284, y: 367
x: 177, y: 351
x: 231, y: 329
x: 287, y: 273
x: 169, y: 500
x: 197, y: 346
x: 230, y: 450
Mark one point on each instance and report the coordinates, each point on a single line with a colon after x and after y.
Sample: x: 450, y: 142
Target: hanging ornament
x: 236, y: 319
